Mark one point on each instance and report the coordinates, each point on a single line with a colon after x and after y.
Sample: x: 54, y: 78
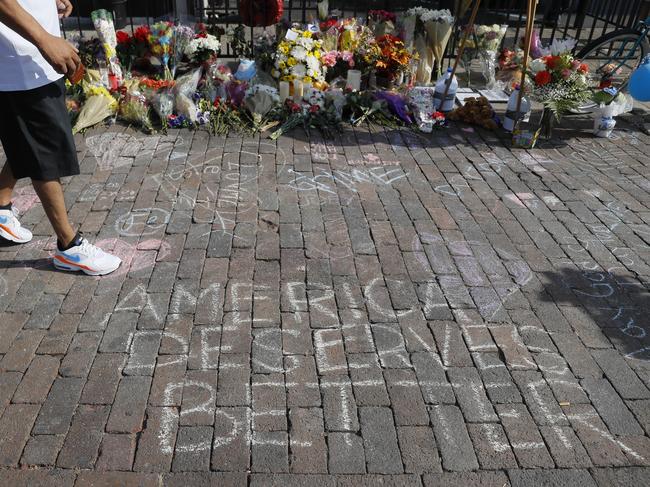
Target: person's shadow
x: 618, y: 306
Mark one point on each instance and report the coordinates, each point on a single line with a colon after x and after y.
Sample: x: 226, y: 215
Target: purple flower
x: 396, y: 103
x: 236, y: 91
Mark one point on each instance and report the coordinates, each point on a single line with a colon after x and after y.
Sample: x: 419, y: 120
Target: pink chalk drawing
x: 24, y: 199
x: 135, y: 257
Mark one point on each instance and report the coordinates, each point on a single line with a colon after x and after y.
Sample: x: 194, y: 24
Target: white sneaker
x: 11, y: 229
x: 86, y: 258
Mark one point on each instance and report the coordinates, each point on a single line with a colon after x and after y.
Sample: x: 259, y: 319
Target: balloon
x: 639, y: 86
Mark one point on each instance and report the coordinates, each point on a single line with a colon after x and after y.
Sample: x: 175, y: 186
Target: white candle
x: 284, y: 90
x: 354, y: 80
x: 306, y: 89
x: 297, y: 90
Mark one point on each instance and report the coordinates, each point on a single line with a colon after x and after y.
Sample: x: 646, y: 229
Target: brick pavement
x: 381, y: 308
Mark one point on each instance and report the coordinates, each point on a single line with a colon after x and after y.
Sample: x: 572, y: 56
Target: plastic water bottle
x: 447, y: 104
x: 511, y: 117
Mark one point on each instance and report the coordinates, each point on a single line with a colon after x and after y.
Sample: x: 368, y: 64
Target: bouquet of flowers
x: 421, y: 100
x: 160, y: 96
x: 337, y: 63
x: 99, y: 105
x: 130, y: 49
x: 160, y: 41
x: 183, y: 35
x: 103, y: 23
x: 560, y: 82
x: 314, y: 113
x: 329, y: 34
x: 204, y: 48
x: 362, y: 106
x: 260, y: 100
x: 217, y: 77
x: 431, y: 32
x: 381, y: 22
x: 134, y: 108
x: 394, y: 60
x: 487, y: 39
x: 299, y: 57
x: 224, y: 117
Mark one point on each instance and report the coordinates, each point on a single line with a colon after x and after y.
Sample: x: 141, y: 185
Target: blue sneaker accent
x: 73, y: 258
x: 3, y: 219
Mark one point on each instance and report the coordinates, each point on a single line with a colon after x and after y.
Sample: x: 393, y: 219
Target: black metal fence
x: 583, y: 20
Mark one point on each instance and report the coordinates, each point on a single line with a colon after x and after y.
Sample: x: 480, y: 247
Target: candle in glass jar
x: 297, y: 90
x: 354, y: 80
x: 284, y: 90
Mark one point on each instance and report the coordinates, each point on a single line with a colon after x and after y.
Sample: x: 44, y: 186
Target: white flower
x: 209, y: 43
x: 299, y: 70
x: 299, y: 52
x: 305, y: 42
x: 537, y: 65
x: 559, y: 47
x: 313, y: 63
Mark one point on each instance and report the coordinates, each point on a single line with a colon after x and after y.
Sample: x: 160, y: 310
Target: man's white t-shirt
x: 22, y: 67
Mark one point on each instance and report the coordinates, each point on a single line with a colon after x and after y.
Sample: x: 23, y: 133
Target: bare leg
x: 51, y: 196
x: 7, y: 183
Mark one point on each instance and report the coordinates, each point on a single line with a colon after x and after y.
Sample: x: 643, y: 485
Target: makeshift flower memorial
x: 160, y: 41
x: 204, y: 48
x: 103, y: 23
x: 394, y: 60
x: 299, y: 57
x: 431, y: 33
x: 99, y: 105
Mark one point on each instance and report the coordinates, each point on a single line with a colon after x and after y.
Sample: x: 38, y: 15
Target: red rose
x: 606, y: 83
x: 583, y: 68
x: 122, y: 37
x: 142, y: 33
x: 542, y: 78
x: 552, y: 61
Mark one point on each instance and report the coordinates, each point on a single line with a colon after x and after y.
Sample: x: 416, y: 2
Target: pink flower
x: 566, y: 73
x: 329, y: 58
x: 575, y: 64
x: 348, y: 57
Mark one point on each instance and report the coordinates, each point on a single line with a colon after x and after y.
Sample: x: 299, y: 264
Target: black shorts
x: 35, y: 133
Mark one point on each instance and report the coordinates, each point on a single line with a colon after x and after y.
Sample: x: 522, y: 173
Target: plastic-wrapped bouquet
x: 160, y: 96
x: 487, y: 39
x: 134, y: 108
x: 611, y: 102
x: 99, y: 105
x: 260, y: 100
x: 103, y: 23
x: 381, y: 22
x: 298, y: 57
x: 430, y: 30
x: 183, y: 35
x: 204, y: 48
x: 160, y: 41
